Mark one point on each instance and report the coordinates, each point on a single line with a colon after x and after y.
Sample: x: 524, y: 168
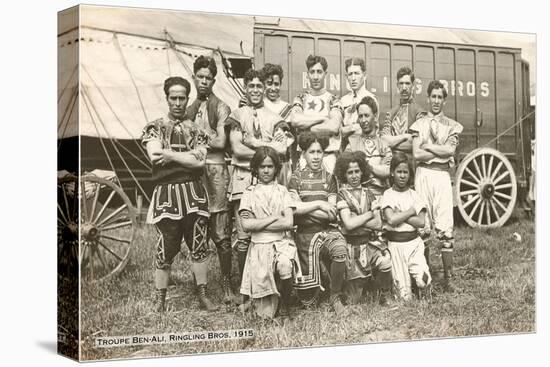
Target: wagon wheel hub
x: 90, y: 232
x: 488, y: 190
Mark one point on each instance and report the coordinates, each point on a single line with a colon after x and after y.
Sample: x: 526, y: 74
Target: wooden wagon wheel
x: 486, y: 188
x: 67, y: 226
x: 108, y: 225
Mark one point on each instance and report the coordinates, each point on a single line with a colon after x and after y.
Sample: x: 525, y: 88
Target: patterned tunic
x: 320, y: 106
x: 378, y: 153
x: 179, y: 190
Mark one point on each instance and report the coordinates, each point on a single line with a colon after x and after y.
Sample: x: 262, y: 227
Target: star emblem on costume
x: 310, y: 175
x: 311, y: 105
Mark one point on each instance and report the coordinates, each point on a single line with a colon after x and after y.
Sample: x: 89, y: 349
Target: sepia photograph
x: 234, y: 183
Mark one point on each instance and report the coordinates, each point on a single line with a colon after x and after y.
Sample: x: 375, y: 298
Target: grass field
x: 494, y: 277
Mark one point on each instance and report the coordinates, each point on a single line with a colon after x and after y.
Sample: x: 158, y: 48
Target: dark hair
x: 176, y: 80
x: 205, y: 62
x: 307, y: 138
x: 355, y: 61
x: 343, y: 161
x: 436, y: 84
x: 251, y: 74
x: 271, y: 69
x: 261, y: 154
x: 405, y: 70
x: 369, y: 101
x: 397, y: 159
x: 312, y: 60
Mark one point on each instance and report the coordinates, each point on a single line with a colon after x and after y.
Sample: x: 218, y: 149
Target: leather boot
x: 337, y: 305
x: 286, y: 290
x: 447, y: 258
x: 228, y: 295
x: 204, y: 302
x: 160, y: 302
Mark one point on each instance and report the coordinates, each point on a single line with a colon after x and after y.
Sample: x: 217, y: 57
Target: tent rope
x: 171, y: 44
x: 97, y: 131
x: 117, y: 44
x: 167, y: 53
x: 70, y: 108
x: 113, y: 111
x: 111, y: 139
x: 133, y: 155
x: 67, y: 84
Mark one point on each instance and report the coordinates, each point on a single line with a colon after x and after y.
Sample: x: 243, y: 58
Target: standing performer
x: 210, y: 113
x: 397, y: 121
x: 377, y: 152
x: 266, y: 212
x: 369, y: 257
x: 273, y: 79
x: 435, y: 138
x: 251, y: 126
x: 179, y: 204
x: 318, y: 110
x: 405, y: 213
x: 320, y: 245
x: 356, y: 74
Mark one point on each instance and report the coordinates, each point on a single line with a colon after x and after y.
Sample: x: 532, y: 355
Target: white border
x: 29, y: 96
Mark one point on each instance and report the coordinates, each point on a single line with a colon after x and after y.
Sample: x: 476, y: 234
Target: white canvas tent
x: 125, y: 56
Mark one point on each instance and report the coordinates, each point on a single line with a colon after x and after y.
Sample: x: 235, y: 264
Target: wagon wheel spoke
x: 94, y: 203
x: 469, y: 192
x: 499, y: 203
x: 105, y: 205
x: 66, y: 201
x: 110, y: 251
x: 471, y: 215
x: 113, y: 214
x: 490, y: 164
x: 102, y: 260
x: 492, y: 204
x: 476, y: 166
x: 92, y: 250
x: 504, y: 196
x: 501, y: 177
x: 117, y: 239
x: 496, y: 171
x: 476, y: 178
x: 117, y: 225
x: 469, y: 183
x: 483, y: 167
x: 84, y: 204
x: 481, y: 211
x: 64, y: 221
x: 488, y: 212
x: 83, y: 253
x: 469, y: 202
x: 504, y: 186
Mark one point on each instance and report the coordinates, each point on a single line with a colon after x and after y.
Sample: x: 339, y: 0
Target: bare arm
x: 395, y: 218
x: 352, y: 222
x: 400, y: 141
x: 239, y: 149
x: 283, y: 223
x: 442, y: 151
x: 331, y: 125
x: 417, y: 221
x: 219, y: 141
x: 420, y: 154
x: 376, y: 221
x: 251, y: 224
x: 301, y: 121
x: 380, y: 170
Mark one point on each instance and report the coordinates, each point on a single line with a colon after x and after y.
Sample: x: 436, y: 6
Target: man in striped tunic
x: 322, y: 249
